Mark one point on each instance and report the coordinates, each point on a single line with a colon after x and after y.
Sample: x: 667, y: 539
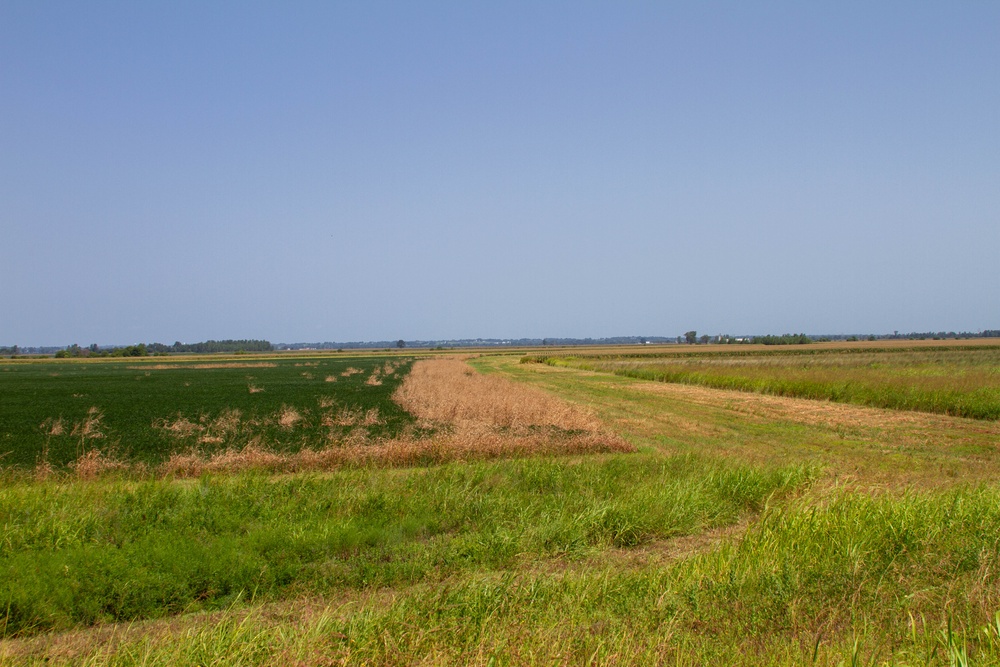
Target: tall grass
x: 954, y: 381
x: 889, y: 572
x: 82, y: 553
x: 908, y: 580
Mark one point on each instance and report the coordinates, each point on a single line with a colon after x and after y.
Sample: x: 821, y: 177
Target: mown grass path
x: 956, y: 380
x: 858, y: 444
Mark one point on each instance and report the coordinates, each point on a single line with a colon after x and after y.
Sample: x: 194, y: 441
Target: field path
x: 855, y: 444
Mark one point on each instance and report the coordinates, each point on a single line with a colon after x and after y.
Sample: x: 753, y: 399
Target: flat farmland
x: 519, y: 514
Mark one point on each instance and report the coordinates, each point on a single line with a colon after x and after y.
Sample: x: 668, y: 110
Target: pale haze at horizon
x: 374, y: 171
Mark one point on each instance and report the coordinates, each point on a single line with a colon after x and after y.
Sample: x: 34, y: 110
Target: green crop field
x: 763, y: 527
x: 145, y: 410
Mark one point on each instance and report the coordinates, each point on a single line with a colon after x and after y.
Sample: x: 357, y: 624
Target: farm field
x: 553, y: 514
x: 148, y: 409
x: 955, y: 380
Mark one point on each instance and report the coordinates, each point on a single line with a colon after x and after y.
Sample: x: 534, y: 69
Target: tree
x: 704, y: 339
x: 691, y: 337
x: 401, y: 343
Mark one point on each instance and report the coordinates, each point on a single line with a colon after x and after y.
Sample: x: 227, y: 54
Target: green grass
x: 902, y: 580
x: 890, y: 573
x: 958, y: 381
x: 82, y: 553
x: 135, y: 400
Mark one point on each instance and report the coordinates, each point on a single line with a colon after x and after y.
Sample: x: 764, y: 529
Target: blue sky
x: 344, y: 171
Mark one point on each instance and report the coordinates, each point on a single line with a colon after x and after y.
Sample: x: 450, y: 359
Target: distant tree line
x: 692, y: 338
x: 786, y: 339
x: 144, y: 350
x: 211, y: 346
x: 75, y: 350
x: 942, y: 335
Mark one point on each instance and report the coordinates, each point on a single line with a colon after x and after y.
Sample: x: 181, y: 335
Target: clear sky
x: 420, y: 170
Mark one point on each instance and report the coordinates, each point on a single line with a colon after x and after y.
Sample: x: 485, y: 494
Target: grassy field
x: 82, y: 553
x: 736, y: 528
x: 955, y: 380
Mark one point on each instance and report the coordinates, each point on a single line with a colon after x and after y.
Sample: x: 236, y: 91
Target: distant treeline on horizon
x: 231, y: 346
x: 146, y: 349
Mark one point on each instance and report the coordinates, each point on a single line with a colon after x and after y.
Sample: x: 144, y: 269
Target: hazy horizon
x: 647, y: 335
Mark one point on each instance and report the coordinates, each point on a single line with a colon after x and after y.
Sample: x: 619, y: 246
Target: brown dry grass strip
x: 450, y: 391
x: 468, y: 445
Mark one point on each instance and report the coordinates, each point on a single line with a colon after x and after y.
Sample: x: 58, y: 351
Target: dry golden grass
x: 371, y: 418
x: 490, y: 414
x: 351, y: 370
x: 181, y: 427
x: 89, y: 428
x: 353, y: 417
x: 330, y: 378
x: 254, y: 389
x: 53, y: 426
x: 227, y: 422
x: 450, y: 391
x: 288, y: 417
x: 359, y: 451
x: 43, y: 470
x: 208, y: 431
x: 93, y: 464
